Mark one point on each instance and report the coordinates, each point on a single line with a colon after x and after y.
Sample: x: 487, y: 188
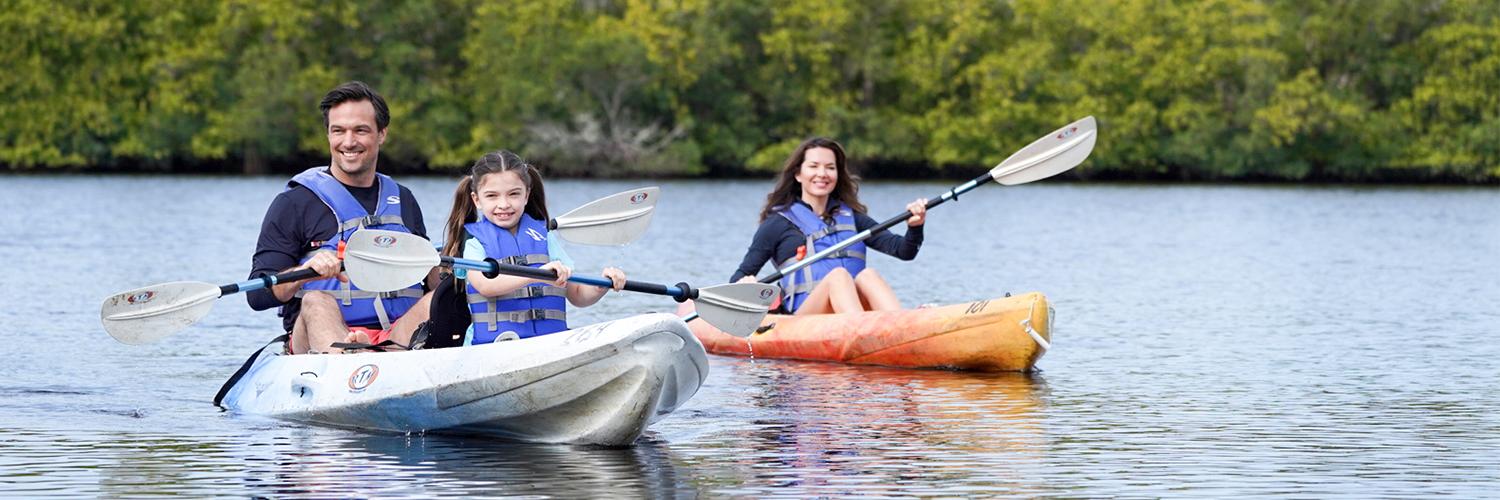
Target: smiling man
x: 322, y: 207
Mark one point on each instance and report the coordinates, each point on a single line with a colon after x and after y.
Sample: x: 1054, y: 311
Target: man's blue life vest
x: 820, y: 236
x: 532, y: 310
x: 359, y: 307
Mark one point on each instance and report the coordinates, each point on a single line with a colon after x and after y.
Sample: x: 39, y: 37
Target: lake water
x: 1210, y: 341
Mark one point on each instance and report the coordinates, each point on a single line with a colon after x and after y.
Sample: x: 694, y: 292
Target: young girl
x: 815, y: 205
x: 500, y: 213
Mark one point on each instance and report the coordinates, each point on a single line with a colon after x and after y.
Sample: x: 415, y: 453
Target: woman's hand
x: 918, y: 211
x: 563, y: 272
x: 749, y: 278
x: 616, y: 276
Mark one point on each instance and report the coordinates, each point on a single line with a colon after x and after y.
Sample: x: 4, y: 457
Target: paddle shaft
x: 680, y: 292
x: 267, y: 281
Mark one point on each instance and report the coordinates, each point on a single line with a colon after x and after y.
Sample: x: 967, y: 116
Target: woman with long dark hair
x: 815, y: 205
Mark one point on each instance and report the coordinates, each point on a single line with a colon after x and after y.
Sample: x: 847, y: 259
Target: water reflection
x: 313, y: 463
x: 301, y: 462
x: 830, y: 429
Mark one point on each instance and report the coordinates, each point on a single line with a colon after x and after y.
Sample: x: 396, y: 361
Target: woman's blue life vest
x: 532, y: 310
x: 359, y: 307
x: 795, y: 286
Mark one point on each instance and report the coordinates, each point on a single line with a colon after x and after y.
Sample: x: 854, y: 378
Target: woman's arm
x: 764, y: 246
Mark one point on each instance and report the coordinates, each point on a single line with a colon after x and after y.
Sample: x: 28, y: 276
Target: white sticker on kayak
x: 363, y: 377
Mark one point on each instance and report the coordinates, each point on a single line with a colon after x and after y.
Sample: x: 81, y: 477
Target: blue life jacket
x: 534, y: 309
x: 820, y: 235
x: 359, y: 307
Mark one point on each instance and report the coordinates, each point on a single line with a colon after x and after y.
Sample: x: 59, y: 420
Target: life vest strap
x: 404, y: 293
x: 525, y: 292
x: 827, y: 230
x: 493, y: 317
x: 369, y: 220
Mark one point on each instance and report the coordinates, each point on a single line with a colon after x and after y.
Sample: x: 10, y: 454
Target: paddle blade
x: 1056, y: 153
x: 149, y: 314
x: 613, y: 220
x: 383, y: 261
x: 736, y: 308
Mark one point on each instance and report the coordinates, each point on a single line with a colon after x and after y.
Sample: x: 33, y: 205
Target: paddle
x: 386, y: 260
x: 149, y: 314
x: 1050, y: 155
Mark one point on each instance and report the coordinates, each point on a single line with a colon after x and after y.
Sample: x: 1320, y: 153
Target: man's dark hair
x: 356, y: 91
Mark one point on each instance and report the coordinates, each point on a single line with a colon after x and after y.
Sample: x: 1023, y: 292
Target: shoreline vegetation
x: 1279, y: 91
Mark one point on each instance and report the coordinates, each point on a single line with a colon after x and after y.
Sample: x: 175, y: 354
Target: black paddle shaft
x: 951, y: 194
x: 680, y: 291
x: 269, y: 281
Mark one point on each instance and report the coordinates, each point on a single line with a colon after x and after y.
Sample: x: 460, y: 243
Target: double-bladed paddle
x: 149, y: 314
x: 387, y: 260
x: 1050, y: 155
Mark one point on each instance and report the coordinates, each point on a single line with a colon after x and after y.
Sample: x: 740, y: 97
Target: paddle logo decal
x: 141, y: 298
x: 363, y: 377
x: 1067, y: 133
x: 765, y: 294
x: 384, y: 241
x: 638, y: 198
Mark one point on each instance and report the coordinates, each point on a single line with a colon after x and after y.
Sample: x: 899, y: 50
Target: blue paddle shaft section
x: 490, y: 268
x: 267, y: 281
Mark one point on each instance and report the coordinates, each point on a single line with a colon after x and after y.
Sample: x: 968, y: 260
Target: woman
x: 815, y: 205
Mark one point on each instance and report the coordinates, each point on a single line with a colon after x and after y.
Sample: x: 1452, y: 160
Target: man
x: 324, y: 206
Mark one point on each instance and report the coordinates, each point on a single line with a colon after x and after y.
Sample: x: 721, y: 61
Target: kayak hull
x: 997, y: 335
x: 600, y: 384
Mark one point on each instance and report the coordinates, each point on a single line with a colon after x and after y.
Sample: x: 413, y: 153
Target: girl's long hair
x: 463, y: 203
x: 788, y: 190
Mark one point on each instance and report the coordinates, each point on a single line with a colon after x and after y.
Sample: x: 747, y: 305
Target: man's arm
x: 279, y: 248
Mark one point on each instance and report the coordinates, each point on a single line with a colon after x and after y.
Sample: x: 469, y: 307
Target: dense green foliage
x: 1213, y: 89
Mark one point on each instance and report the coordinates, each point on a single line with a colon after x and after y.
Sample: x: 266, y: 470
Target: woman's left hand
x: 616, y: 276
x: 918, y: 211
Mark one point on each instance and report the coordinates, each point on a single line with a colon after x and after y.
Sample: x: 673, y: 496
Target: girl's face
x: 501, y: 198
x: 819, y: 173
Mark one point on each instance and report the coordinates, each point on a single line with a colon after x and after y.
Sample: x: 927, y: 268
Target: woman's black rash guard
x: 777, y: 237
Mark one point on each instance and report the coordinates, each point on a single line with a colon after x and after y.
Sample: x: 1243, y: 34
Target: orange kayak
x: 996, y: 335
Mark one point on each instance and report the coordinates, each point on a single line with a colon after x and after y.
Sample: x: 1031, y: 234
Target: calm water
x: 1211, y: 341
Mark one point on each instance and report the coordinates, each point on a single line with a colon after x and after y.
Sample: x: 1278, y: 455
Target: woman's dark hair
x: 463, y: 203
x: 788, y: 190
x: 356, y: 91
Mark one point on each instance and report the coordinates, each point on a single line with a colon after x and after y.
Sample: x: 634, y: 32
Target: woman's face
x: 819, y: 173
x: 501, y: 198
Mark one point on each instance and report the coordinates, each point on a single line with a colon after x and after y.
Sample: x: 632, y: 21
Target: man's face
x: 353, y: 139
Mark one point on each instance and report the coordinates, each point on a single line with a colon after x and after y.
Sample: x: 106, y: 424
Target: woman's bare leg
x: 836, y: 294
x: 876, y: 292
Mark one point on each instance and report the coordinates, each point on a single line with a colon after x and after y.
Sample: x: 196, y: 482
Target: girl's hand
x: 563, y: 272
x: 616, y: 276
x: 918, y: 211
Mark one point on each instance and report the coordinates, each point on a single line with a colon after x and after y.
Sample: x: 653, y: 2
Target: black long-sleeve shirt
x: 295, y: 221
x: 779, y: 238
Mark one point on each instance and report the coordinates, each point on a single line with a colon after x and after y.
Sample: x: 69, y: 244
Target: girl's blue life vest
x: 820, y: 235
x: 359, y: 307
x: 534, y: 309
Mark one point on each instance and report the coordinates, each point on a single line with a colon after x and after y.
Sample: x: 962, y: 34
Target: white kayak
x: 599, y: 384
